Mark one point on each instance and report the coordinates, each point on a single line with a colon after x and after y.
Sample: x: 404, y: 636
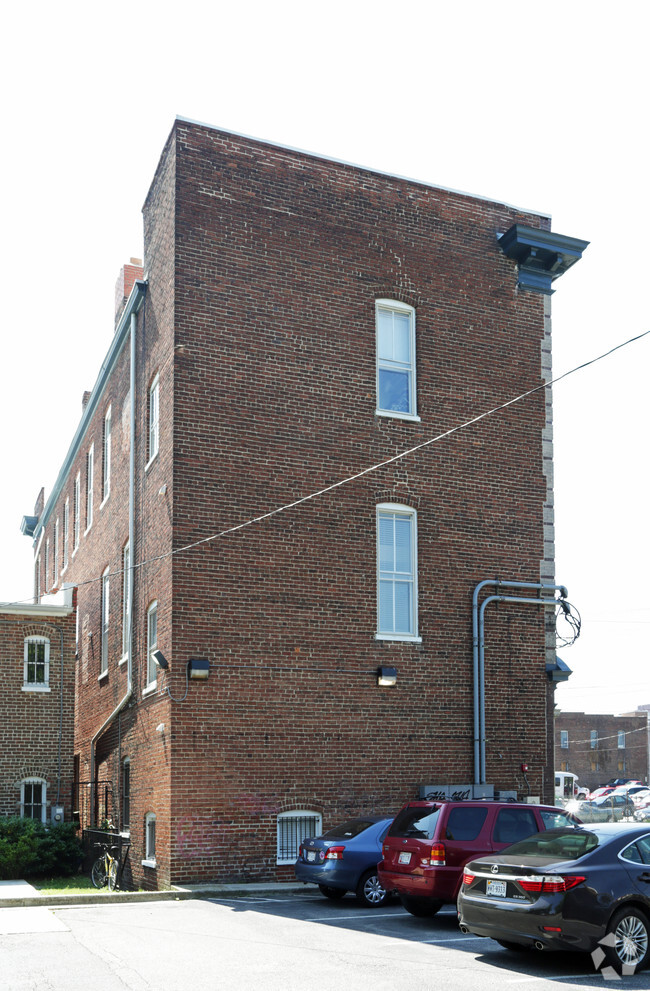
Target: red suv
x: 429, y: 843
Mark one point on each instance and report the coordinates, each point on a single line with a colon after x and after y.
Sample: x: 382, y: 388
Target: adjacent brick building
x: 298, y: 321
x: 599, y: 747
x: 37, y: 660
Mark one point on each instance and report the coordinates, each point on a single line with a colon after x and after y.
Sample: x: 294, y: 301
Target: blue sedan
x: 345, y: 859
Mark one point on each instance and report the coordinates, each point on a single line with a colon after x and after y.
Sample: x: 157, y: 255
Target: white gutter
x: 129, y: 680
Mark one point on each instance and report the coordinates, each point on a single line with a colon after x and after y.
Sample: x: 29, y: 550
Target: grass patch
x: 78, y: 884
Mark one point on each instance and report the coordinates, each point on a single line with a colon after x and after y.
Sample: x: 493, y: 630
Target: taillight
x: 550, y: 884
x: 468, y: 878
x: 300, y: 851
x: 335, y: 853
x: 437, y: 855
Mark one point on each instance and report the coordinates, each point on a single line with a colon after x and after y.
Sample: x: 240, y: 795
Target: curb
x: 179, y: 893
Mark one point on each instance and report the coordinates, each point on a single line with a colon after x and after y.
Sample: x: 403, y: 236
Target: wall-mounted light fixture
x: 386, y: 677
x: 198, y: 668
x: 160, y: 659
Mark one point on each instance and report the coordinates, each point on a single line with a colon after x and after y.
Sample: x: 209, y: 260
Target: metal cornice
x: 133, y: 304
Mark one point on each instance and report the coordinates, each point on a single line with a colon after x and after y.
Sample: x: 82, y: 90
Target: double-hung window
x: 395, y: 328
x: 154, y: 415
x: 77, y: 512
x: 149, y: 840
x: 564, y: 739
x: 33, y: 799
x: 152, y: 643
x: 106, y: 459
x: 90, y: 473
x: 105, y: 620
x: 396, y: 572
x: 66, y: 532
x: 36, y: 664
x: 55, y: 574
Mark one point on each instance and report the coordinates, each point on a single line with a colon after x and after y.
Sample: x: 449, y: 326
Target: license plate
x: 404, y: 858
x: 496, y: 888
x: 311, y: 855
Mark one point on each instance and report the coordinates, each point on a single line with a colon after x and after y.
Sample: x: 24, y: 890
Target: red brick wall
x: 263, y: 268
x: 597, y: 765
x: 33, y: 723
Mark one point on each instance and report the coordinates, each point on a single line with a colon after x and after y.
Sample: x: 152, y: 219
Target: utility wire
x: 366, y: 471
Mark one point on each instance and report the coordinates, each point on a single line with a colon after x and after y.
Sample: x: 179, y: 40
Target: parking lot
x: 281, y: 942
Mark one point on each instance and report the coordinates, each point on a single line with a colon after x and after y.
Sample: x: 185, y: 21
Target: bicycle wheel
x: 112, y: 875
x: 98, y: 873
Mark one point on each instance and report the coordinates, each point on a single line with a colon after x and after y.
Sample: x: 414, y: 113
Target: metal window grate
x: 292, y: 830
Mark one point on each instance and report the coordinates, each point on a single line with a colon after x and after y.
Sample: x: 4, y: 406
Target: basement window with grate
x: 293, y: 828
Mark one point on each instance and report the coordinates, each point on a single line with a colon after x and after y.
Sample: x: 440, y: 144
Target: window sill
x: 103, y: 675
x: 150, y: 689
x: 87, y: 530
x: 123, y: 659
x: 152, y: 863
x: 104, y: 501
x: 393, y: 415
x: 36, y: 688
x: 399, y: 638
x: 150, y: 462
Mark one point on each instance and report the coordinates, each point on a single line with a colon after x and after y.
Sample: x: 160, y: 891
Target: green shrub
x: 28, y: 847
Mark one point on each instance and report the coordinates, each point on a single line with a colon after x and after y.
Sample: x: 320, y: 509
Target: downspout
x: 129, y: 663
x: 479, y: 654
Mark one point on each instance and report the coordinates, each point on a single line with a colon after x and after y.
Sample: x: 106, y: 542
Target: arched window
x: 292, y: 829
x: 395, y: 329
x: 36, y: 677
x: 149, y: 840
x: 33, y: 798
x: 397, y: 608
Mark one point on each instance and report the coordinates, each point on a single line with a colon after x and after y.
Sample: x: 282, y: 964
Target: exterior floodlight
x: 160, y: 659
x: 198, y: 668
x: 386, y: 677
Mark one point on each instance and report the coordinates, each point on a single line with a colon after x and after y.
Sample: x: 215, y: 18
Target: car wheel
x: 627, y: 943
x: 513, y: 947
x: 369, y: 891
x: 333, y: 893
x: 422, y: 907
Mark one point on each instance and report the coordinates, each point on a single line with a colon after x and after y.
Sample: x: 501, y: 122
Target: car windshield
x: 417, y: 823
x: 561, y: 844
x: 347, y: 829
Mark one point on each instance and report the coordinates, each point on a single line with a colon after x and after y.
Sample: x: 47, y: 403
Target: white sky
x: 542, y: 106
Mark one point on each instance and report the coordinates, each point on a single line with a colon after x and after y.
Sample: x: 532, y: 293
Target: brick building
x: 598, y: 747
x: 37, y: 661
x: 296, y: 322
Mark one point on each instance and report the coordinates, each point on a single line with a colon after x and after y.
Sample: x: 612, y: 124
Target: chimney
x: 128, y: 275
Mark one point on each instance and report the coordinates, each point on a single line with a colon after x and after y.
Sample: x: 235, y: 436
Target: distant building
x: 37, y: 666
x: 600, y: 747
x: 296, y: 322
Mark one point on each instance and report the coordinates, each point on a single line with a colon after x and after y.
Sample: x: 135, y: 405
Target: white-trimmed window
x: 90, y: 474
x: 33, y: 798
x: 292, y: 829
x: 66, y: 532
x: 564, y: 739
x: 396, y: 572
x: 77, y: 512
x: 593, y: 739
x: 37, y: 583
x: 106, y: 456
x: 621, y: 739
x: 55, y: 571
x: 395, y: 328
x: 126, y: 795
x: 154, y: 417
x: 152, y: 643
x: 36, y: 666
x: 105, y: 620
x: 149, y: 840
x: 126, y: 604
x: 47, y: 564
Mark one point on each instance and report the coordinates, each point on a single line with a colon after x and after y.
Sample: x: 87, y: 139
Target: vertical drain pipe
x: 478, y: 636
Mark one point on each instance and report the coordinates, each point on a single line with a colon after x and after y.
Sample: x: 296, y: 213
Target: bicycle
x: 105, y: 869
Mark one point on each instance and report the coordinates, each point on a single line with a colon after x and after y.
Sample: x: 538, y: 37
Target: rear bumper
x: 433, y: 884
x: 527, y: 928
x: 329, y: 874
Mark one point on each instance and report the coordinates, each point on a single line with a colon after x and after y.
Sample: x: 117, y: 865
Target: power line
x: 365, y: 471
